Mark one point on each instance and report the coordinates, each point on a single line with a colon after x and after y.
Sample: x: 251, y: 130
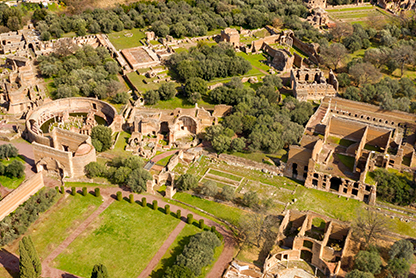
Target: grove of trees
x: 29, y: 263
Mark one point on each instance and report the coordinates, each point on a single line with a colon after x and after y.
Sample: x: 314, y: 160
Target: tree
x: 365, y: 73
x: 250, y: 199
x: 137, y: 180
x: 101, y: 134
x: 403, y: 54
x: 359, y: 274
x: 7, y: 151
x: 121, y: 175
x: 151, y: 97
x: 121, y: 98
x: 99, y: 271
x: 402, y: 249
x: 221, y: 143
x: 95, y: 169
x: 194, y: 85
x: 29, y: 265
x: 344, y: 79
x: 16, y: 169
x: 399, y: 267
x: 178, y: 271
x: 368, y: 262
x: 377, y: 56
x: 272, y: 80
x: 186, y: 182
x: 238, y: 144
x: 369, y: 226
x: 209, y: 188
x: 167, y: 91
x: 227, y: 193
x: 334, y: 55
x: 341, y: 30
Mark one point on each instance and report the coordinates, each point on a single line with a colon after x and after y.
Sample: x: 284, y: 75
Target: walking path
x: 162, y: 250
x: 109, y: 195
x: 49, y: 272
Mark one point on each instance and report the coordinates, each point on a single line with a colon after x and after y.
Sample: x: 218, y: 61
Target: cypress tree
x: 190, y: 218
x: 167, y: 209
x: 131, y: 199
x: 33, y: 254
x: 97, y: 192
x: 144, y: 202
x: 154, y: 205
x: 26, y: 268
x: 119, y: 196
x: 99, y: 271
x: 74, y: 191
x: 84, y: 191
x: 201, y: 223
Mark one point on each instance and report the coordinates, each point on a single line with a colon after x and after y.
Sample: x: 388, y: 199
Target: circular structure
x: 62, y: 108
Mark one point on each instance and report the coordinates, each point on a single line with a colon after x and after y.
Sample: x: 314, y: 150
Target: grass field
x: 59, y: 222
x: 164, y: 161
x: 180, y: 102
x: 256, y: 60
x: 11, y: 183
x: 228, y: 213
x: 339, y: 141
x: 347, y: 160
x: 121, y: 41
x: 124, y: 238
x: 225, y: 175
x: 360, y: 15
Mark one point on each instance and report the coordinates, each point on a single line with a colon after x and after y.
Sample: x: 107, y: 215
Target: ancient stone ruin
x: 310, y: 84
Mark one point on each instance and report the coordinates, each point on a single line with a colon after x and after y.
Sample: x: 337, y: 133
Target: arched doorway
x: 306, y: 256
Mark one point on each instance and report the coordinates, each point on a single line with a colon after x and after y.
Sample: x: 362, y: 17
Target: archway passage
x: 335, y: 183
x: 306, y: 256
x: 294, y: 170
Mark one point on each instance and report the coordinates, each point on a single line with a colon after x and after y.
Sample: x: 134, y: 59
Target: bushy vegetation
x: 99, y: 271
x: 123, y: 171
x: 16, y: 169
x: 81, y: 71
x: 29, y: 263
x: 394, y: 188
x: 257, y: 118
x: 177, y: 18
x: 7, y: 151
x: 198, y: 253
x: 101, y: 138
x: 17, y: 223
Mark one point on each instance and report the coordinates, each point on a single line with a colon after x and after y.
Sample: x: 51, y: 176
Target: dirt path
x: 51, y: 272
x: 163, y: 155
x: 162, y: 250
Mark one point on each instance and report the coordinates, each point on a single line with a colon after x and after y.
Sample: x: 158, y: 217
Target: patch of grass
x: 341, y: 142
x: 121, y: 41
x: 217, y: 182
x: 346, y: 160
x: 228, y: 213
x: 180, y: 102
x: 164, y: 161
x: 59, y: 222
x: 180, y: 49
x: 369, y: 178
x: 225, y: 175
x: 372, y: 148
x: 349, y: 9
x: 256, y: 60
x: 87, y: 184
x: 174, y: 250
x: 11, y: 183
x: 124, y: 238
x: 122, y: 141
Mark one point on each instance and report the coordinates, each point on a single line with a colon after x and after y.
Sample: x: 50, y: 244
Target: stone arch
x: 187, y: 123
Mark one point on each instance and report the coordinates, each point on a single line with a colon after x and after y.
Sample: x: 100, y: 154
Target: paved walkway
x: 162, y: 250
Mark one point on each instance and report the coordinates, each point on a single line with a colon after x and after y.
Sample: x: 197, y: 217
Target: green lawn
x: 179, y: 102
x: 339, y: 141
x: 87, y: 184
x: 164, y: 161
x: 349, y: 9
x: 347, y: 160
x: 225, y: 175
x: 122, y: 141
x: 228, y: 213
x: 124, y: 238
x: 174, y: 250
x: 256, y: 60
x: 11, y: 183
x: 260, y: 156
x: 121, y: 41
x: 62, y: 219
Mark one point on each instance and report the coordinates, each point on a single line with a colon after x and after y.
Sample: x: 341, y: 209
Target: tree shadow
x: 67, y: 275
x: 170, y: 261
x: 10, y: 262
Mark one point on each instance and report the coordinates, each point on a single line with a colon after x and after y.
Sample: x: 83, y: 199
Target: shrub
x: 84, y: 191
x: 154, y: 205
x: 131, y: 197
x: 101, y: 134
x: 209, y: 188
x: 167, y: 209
x: 95, y: 169
x: 73, y: 191
x: 16, y: 169
x: 119, y: 196
x: 97, y: 192
x: 213, y: 229
x: 186, y: 182
x: 190, y: 218
x: 178, y: 214
x: 144, y: 202
x: 62, y: 190
x: 57, y: 189
x: 227, y: 193
x: 201, y: 223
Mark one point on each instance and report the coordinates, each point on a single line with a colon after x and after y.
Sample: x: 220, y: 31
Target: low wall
x: 20, y: 195
x: 250, y: 164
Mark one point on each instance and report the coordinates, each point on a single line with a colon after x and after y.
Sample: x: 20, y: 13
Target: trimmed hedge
x: 201, y: 223
x: 144, y: 202
x: 178, y: 214
x: 167, y: 209
x: 84, y: 191
x: 154, y: 205
x: 97, y: 192
x: 73, y: 191
x: 131, y: 198
x: 190, y: 218
x: 119, y: 196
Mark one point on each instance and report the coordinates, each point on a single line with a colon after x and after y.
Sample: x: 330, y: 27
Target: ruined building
x: 311, y: 84
x: 345, y: 140
x: 319, y: 240
x: 66, y: 152
x: 20, y: 93
x: 318, y: 17
x: 312, y: 4
x: 178, y: 127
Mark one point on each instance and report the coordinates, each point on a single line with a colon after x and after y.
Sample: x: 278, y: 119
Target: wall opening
x: 306, y: 256
x: 335, y: 183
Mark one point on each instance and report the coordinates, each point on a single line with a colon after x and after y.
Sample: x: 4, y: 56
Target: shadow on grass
x: 170, y: 261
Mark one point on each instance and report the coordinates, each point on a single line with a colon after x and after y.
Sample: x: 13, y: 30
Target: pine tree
x: 99, y: 271
x: 26, y: 269
x: 34, y: 256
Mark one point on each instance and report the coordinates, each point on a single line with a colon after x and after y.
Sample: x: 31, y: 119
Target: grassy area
x: 11, y: 183
x: 225, y: 175
x: 350, y: 9
x: 124, y: 238
x: 179, y: 102
x: 339, y: 141
x: 217, y: 182
x: 137, y: 80
x: 260, y: 156
x: 121, y: 41
x: 122, y: 141
x: 347, y: 160
x: 228, y: 213
x: 164, y: 161
x: 369, y: 178
x: 256, y: 60
x: 180, y: 49
x: 88, y: 185
x: 174, y: 250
